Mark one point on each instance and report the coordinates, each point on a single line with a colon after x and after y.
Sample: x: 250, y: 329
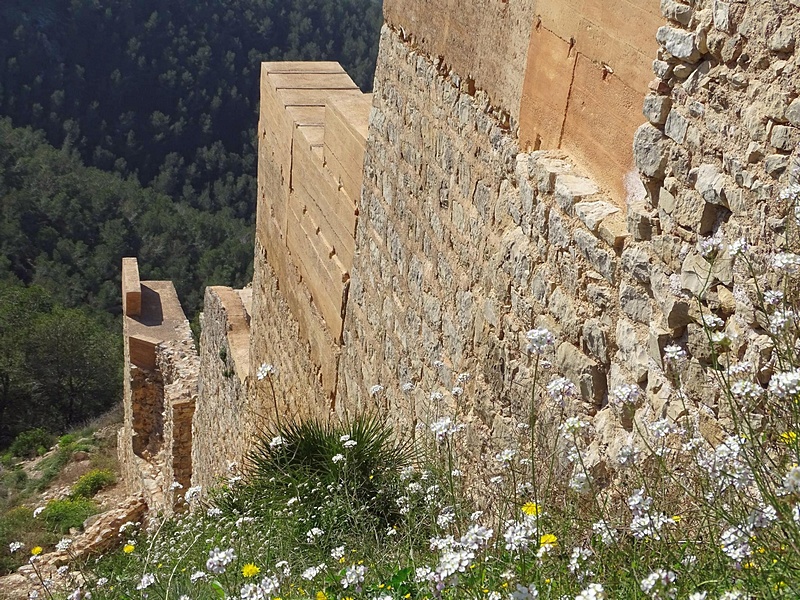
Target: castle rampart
x: 553, y: 176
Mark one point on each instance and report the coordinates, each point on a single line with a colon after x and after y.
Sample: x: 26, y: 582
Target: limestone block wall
x: 464, y: 243
x: 312, y: 132
x: 482, y: 42
x: 222, y: 420
x: 588, y: 66
x: 160, y: 390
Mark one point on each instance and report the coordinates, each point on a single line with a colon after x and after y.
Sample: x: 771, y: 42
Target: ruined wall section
x: 222, y: 420
x: 160, y: 389
x: 716, y: 156
x: 464, y: 243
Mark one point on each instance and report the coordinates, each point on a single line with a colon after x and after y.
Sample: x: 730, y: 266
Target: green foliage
x: 359, y: 462
x: 165, y: 96
x: 91, y: 483
x: 29, y: 444
x: 62, y: 515
x: 58, y: 367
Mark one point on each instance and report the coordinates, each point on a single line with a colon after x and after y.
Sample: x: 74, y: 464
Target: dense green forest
x: 127, y: 127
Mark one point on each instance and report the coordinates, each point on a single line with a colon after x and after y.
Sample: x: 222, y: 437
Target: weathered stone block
x: 676, y: 126
x: 656, y: 108
x: 571, y: 189
x: 650, y: 151
x: 679, y: 43
x: 675, y: 11
x: 592, y: 213
x: 636, y: 262
x: 583, y: 371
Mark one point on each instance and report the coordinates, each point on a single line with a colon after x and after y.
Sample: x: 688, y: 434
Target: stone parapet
x: 160, y: 389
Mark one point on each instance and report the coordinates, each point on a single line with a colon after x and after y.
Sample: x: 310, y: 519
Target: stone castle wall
x: 160, y: 390
x: 222, y: 422
x: 469, y: 221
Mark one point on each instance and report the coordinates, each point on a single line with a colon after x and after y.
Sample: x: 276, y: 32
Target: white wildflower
x: 354, y: 577
x: 218, y: 560
x: 785, y: 385
x: 146, y: 581
x: 375, y: 390
x: 594, y: 591
x: 539, y: 340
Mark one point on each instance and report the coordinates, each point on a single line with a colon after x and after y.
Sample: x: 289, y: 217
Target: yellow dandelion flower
x: 548, y: 581
x: 128, y: 548
x: 548, y: 539
x: 531, y: 509
x: 676, y: 518
x: 250, y: 570
x: 36, y: 550
x: 321, y: 596
x: 789, y: 437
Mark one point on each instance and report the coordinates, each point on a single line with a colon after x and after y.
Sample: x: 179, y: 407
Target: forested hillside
x: 127, y: 127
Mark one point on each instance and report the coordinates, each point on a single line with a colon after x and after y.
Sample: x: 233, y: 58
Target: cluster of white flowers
x: 375, y: 390
x: 577, y: 563
x: 354, y: 577
x: 786, y: 262
x: 505, y: 456
x: 264, y: 590
x: 726, y: 465
x: 14, y: 547
x: 218, y: 560
x: 645, y: 521
x: 608, y: 535
x: 572, y: 426
x: 146, y: 581
x: 193, y: 493
x: 625, y: 395
x: 445, y: 427
x: 659, y: 585
x: 709, y: 247
x: 594, y: 591
x: 476, y: 537
x: 313, y: 533
x: 785, y: 385
x: 561, y: 389
x: 64, y: 545
x: 674, y: 353
x: 738, y: 247
x: 519, y: 536
x: 266, y: 370
x: 539, y: 340
x: 311, y: 572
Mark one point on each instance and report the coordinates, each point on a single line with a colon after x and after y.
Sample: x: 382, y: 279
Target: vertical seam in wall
x: 569, y: 98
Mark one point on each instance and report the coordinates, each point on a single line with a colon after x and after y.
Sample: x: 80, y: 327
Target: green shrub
x: 62, y: 515
x: 359, y: 463
x: 91, y: 483
x: 31, y: 443
x: 7, y: 459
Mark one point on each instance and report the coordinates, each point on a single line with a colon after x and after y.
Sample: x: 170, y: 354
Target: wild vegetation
x: 343, y: 510
x: 25, y: 518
